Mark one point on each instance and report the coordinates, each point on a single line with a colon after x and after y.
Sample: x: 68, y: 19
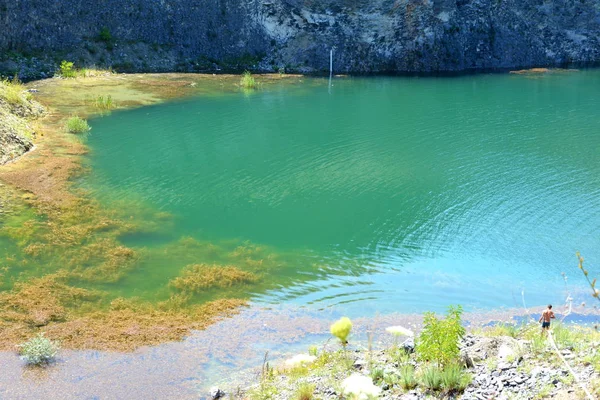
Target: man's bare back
x: 545, y: 318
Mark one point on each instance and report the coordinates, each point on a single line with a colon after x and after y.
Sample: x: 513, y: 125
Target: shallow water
x: 372, y: 195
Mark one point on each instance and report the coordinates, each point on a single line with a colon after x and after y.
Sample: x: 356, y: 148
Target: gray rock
x: 216, y: 393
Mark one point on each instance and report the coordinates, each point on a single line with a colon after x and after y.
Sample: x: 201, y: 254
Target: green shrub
x: 248, y: 81
x: 104, y: 102
x: 313, y: 351
x: 305, y: 391
x: 66, y: 70
x: 439, y: 339
x: 38, y: 350
x: 104, y: 35
x: 408, y: 381
x: 77, y: 125
x: 431, y: 378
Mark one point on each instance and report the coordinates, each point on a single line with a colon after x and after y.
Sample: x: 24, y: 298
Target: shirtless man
x: 546, y: 316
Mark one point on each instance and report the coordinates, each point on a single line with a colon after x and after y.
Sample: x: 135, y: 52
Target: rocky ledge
x: 499, y: 367
x: 17, y: 110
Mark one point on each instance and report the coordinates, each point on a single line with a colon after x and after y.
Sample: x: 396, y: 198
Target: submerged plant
x: 77, y: 125
x: 104, y: 102
x: 38, y: 350
x: 248, y: 81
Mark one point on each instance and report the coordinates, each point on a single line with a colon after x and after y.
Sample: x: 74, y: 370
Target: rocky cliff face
x: 366, y: 35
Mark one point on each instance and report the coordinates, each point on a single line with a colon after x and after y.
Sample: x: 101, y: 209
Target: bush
x: 104, y: 35
x: 454, y: 378
x: 77, y: 125
x: 431, y: 378
x: 38, y: 350
x: 439, y: 339
x: 408, y: 381
x: 66, y: 70
x: 377, y: 375
x: 248, y: 81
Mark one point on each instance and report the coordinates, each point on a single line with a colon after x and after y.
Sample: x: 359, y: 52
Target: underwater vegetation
x: 66, y: 271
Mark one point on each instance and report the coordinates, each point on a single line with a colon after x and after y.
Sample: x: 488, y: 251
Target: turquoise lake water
x: 393, y: 194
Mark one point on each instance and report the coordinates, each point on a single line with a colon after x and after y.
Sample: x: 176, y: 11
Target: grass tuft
x: 305, y: 391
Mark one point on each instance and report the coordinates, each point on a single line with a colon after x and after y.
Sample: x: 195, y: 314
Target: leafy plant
x: 313, y: 351
x: 248, y: 81
x: 439, y: 339
x: 38, y: 350
x: 431, y: 378
x: 66, y: 69
x: 77, y: 125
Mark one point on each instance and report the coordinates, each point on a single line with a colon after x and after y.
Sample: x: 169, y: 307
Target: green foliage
x: 77, y: 125
x: 38, y: 350
x: 66, y: 70
x: 248, y: 81
x: 305, y: 391
x: 431, y: 378
x: 313, y: 351
x: 341, y: 329
x: 454, y: 378
x: 408, y: 380
x: 104, y: 35
x: 104, y: 102
x: 439, y: 339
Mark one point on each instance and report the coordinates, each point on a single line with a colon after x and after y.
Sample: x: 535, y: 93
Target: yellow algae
x: 197, y: 277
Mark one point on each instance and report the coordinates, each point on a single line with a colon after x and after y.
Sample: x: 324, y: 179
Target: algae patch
x: 67, y: 257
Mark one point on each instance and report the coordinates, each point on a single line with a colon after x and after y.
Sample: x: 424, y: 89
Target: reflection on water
x: 387, y: 194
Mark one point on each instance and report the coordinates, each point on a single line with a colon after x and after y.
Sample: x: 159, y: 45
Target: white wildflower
x: 360, y: 386
x: 299, y: 360
x: 399, y: 331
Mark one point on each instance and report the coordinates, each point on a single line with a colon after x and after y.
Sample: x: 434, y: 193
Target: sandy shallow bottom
x: 227, y: 354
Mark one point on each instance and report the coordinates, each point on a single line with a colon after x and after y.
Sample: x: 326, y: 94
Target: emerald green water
x: 373, y: 195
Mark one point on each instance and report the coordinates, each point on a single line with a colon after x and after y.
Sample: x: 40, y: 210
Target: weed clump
x: 104, y: 102
x: 38, y: 350
x: 76, y: 124
x: 14, y: 92
x: 197, y: 277
x: 248, y: 81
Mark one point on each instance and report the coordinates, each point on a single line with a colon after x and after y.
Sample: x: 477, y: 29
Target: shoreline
x: 227, y: 354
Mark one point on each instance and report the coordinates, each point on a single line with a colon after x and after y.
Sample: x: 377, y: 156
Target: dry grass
x: 198, y: 277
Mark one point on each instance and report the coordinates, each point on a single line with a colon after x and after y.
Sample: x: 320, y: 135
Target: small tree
x: 439, y: 339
